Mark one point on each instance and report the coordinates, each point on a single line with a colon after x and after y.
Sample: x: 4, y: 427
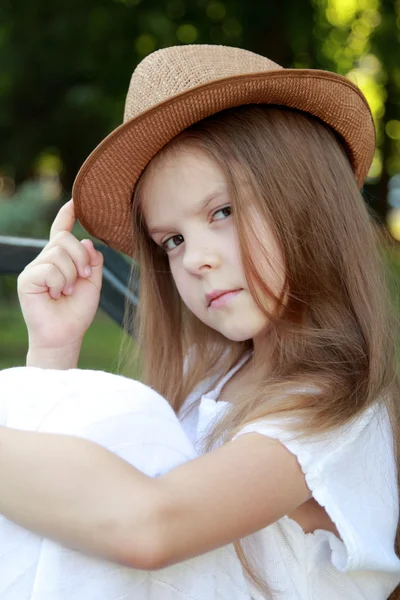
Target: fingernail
x: 87, y: 271
x: 69, y: 290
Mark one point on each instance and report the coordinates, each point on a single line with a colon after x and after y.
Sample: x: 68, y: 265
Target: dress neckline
x: 216, y: 391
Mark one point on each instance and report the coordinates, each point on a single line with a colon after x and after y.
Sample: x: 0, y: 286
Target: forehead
x: 179, y: 180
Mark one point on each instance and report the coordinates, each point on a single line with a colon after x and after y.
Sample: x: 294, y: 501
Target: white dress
x: 352, y: 474
x: 356, y: 488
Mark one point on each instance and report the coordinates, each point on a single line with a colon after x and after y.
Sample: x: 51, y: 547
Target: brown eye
x: 172, y: 242
x: 222, y: 213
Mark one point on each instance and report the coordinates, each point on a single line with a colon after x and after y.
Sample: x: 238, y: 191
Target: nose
x: 197, y: 260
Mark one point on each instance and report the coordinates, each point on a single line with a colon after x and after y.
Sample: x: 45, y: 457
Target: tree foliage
x: 65, y: 66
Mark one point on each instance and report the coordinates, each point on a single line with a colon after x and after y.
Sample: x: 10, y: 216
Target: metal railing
x: 17, y: 252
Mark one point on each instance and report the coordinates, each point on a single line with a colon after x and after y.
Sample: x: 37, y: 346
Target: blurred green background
x: 65, y: 68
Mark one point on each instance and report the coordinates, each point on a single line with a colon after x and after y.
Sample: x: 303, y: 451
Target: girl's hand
x: 59, y: 294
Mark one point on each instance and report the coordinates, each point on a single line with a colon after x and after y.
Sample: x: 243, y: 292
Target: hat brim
x: 103, y: 188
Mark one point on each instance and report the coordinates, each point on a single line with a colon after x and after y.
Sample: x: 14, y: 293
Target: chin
x: 239, y: 334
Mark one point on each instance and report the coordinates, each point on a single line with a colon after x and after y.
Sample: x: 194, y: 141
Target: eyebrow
x: 202, y: 206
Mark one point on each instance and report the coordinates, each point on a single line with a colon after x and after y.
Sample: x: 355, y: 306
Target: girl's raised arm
x: 87, y: 498
x: 59, y: 294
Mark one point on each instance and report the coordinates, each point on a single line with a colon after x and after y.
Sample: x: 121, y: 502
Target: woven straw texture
x: 175, y: 87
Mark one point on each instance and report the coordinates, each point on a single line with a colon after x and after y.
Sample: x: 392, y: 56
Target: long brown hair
x: 334, y: 328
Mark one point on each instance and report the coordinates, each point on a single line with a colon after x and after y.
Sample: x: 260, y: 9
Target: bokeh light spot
x: 187, y: 34
x: 215, y: 11
x: 145, y: 44
x: 232, y: 28
x: 393, y: 129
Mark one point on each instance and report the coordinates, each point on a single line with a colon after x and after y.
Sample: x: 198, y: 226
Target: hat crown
x: 175, y: 87
x: 177, y: 69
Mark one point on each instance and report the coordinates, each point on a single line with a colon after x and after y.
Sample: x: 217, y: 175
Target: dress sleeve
x: 351, y: 472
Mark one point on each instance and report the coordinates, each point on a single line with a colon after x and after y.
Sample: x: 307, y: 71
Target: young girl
x: 264, y: 322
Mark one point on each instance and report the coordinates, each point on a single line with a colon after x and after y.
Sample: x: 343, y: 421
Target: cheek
x: 181, y: 280
x: 231, y: 249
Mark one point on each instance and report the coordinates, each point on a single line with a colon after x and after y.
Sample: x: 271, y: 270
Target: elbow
x: 142, y: 544
x: 145, y: 553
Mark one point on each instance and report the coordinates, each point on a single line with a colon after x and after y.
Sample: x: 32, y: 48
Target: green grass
x: 99, y: 351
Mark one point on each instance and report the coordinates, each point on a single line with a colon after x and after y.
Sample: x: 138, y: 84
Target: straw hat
x: 175, y: 87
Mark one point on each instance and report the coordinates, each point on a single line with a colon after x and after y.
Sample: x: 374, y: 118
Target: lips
x: 217, y: 294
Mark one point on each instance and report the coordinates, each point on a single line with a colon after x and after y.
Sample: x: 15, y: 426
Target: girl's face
x: 188, y: 213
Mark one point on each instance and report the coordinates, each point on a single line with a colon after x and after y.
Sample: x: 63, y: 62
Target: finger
x: 42, y: 278
x: 62, y: 260
x: 64, y: 220
x: 96, y: 263
x: 96, y: 257
x: 78, y: 253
